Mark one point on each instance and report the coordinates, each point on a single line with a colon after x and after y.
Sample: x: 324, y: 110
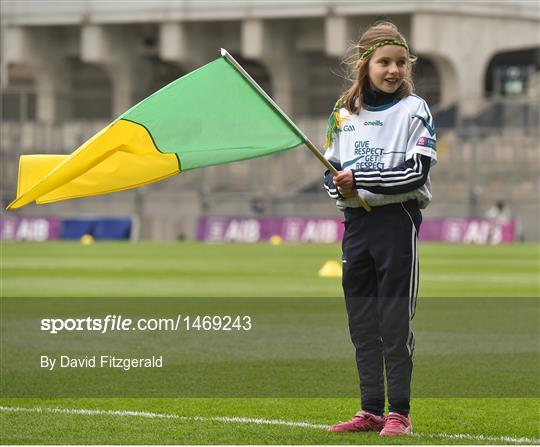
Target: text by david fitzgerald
x: 101, y: 361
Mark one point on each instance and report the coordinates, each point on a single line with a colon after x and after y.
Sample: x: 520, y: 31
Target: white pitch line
x: 145, y: 414
x: 258, y: 421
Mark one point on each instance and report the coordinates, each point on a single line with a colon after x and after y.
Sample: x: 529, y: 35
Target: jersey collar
x: 380, y: 108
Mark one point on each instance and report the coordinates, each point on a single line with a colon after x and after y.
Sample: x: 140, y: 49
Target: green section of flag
x: 211, y: 116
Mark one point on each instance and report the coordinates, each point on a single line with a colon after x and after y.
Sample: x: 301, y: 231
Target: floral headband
x: 382, y: 43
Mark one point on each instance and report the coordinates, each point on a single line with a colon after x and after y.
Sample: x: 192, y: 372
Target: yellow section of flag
x: 121, y: 156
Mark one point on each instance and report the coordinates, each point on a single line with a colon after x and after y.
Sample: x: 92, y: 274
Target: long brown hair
x: 384, y: 30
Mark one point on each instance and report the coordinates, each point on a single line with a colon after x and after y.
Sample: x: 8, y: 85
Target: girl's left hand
x: 347, y: 193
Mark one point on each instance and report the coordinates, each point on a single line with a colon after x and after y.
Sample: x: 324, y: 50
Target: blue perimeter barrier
x: 99, y: 229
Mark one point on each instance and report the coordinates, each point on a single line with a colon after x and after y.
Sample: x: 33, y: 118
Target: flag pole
x: 307, y: 141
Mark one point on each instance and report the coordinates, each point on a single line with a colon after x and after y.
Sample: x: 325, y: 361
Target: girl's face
x: 387, y: 68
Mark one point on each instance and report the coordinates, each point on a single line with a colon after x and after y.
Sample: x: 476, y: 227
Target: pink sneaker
x: 361, y: 421
x: 396, y: 425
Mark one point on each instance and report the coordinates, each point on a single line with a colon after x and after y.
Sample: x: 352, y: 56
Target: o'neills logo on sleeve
x: 373, y: 123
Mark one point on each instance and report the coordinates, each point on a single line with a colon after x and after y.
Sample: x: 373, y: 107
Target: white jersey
x: 382, y: 138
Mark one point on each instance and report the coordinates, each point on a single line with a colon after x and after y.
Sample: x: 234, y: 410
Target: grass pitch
x: 486, y: 346
x: 192, y: 269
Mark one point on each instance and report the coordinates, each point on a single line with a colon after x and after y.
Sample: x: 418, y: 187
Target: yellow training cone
x: 276, y: 240
x: 330, y: 269
x: 87, y: 239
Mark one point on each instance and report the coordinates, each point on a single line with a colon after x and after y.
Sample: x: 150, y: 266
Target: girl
x: 381, y: 139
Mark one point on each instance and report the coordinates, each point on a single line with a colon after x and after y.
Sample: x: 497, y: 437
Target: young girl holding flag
x: 381, y: 139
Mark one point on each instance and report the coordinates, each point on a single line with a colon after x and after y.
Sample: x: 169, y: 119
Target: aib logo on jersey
x: 348, y: 128
x: 426, y: 142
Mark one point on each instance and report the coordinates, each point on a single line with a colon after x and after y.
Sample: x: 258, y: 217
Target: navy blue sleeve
x: 405, y: 177
x: 328, y: 183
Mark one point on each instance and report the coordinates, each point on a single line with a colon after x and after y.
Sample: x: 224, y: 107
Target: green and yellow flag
x: 211, y: 116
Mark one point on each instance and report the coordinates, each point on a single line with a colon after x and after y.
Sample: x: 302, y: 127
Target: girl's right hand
x: 344, y: 179
x: 345, y: 182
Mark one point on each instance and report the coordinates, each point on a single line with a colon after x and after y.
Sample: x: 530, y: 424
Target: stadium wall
x: 69, y: 67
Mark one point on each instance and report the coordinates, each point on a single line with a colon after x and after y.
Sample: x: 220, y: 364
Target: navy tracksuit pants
x: 380, y: 281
